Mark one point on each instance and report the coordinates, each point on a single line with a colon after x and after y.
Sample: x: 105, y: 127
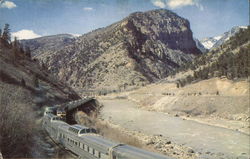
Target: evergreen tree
x: 15, y: 43
x: 6, y: 33
x: 27, y: 52
x: 16, y: 49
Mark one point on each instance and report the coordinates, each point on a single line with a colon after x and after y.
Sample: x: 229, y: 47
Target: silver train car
x: 85, y: 143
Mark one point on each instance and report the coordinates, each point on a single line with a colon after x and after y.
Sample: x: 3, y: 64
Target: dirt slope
x: 217, y: 97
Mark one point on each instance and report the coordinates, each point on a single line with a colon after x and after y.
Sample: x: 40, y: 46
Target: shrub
x: 16, y: 123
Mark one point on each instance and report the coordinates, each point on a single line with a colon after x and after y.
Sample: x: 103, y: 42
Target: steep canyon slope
x: 140, y: 49
x: 25, y: 87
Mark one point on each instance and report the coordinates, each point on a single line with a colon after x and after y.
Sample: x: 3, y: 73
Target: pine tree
x: 28, y: 52
x: 16, y: 46
x: 15, y: 43
x: 6, y: 33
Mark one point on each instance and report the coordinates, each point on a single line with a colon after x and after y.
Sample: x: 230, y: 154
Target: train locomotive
x: 87, y: 144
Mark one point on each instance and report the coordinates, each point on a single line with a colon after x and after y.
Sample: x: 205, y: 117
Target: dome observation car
x: 50, y: 110
x: 80, y: 129
x: 61, y: 113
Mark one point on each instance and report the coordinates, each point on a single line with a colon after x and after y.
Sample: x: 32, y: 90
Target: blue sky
x: 34, y: 18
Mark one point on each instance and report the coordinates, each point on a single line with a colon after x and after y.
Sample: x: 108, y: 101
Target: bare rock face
x: 142, y: 48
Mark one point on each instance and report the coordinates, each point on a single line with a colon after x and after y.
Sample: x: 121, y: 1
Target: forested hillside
x: 230, y: 60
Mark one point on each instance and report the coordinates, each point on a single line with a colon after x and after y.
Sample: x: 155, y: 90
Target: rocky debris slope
x: 214, y: 97
x: 137, y: 50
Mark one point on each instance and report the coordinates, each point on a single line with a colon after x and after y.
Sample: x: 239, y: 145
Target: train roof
x: 136, y: 153
x: 79, y: 127
x: 74, y: 104
x: 50, y: 108
x: 98, y: 142
x: 50, y: 115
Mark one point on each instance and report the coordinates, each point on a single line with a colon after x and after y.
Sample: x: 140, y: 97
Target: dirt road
x: 200, y: 137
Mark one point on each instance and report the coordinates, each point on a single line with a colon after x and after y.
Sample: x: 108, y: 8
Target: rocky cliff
x: 137, y: 50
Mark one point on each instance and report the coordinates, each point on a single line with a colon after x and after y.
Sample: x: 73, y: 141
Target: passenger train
x: 87, y: 144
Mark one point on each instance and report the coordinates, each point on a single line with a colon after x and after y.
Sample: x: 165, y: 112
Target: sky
x: 35, y: 18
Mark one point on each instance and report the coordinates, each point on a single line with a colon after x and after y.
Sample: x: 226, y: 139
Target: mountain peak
x: 212, y: 42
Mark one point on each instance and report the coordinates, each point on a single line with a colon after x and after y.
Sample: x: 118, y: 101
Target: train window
x: 93, y: 151
x: 99, y: 154
x: 88, y: 149
x: 93, y: 131
x: 85, y: 148
x: 81, y: 145
x: 96, y: 154
x: 82, y: 131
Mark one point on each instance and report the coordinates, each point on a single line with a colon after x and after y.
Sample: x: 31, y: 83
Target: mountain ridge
x: 213, y: 42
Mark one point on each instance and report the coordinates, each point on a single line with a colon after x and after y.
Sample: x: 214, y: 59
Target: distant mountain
x: 231, y: 60
x: 200, y: 46
x: 140, y: 49
x: 213, y: 42
x: 21, y: 71
x: 48, y: 43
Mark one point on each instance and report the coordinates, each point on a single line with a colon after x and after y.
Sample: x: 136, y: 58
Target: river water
x: 200, y: 137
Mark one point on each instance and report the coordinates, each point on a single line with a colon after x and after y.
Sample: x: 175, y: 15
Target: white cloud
x: 25, y: 34
x: 87, y: 8
x: 76, y: 35
x: 199, y: 6
x: 7, y: 4
x: 159, y: 3
x: 176, y: 4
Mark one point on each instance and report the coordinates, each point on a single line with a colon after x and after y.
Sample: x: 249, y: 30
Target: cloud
x: 176, y: 4
x: 87, y: 8
x: 7, y: 4
x: 76, y: 35
x: 159, y: 3
x: 25, y: 34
